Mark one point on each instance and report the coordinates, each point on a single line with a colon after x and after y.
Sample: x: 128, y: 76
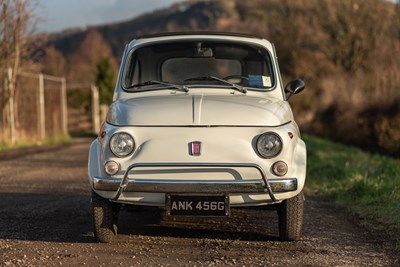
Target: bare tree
x: 17, y: 25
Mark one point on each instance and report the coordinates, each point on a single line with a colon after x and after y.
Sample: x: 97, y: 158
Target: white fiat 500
x: 200, y: 124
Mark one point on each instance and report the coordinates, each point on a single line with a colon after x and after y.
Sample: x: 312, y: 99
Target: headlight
x: 122, y: 144
x: 269, y: 145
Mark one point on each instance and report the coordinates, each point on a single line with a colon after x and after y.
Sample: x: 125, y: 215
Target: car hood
x: 199, y: 110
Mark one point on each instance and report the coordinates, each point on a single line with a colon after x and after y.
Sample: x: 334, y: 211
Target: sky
x: 58, y: 15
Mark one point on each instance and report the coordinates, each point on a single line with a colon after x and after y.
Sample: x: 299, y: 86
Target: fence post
x: 64, y: 106
x: 42, y: 123
x: 11, y: 106
x: 95, y: 108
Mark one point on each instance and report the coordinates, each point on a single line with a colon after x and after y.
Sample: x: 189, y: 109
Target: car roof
x: 166, y: 34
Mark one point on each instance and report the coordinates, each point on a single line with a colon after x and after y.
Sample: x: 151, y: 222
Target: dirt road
x: 45, y: 221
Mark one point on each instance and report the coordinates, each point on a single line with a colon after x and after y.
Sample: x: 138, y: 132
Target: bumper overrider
x: 262, y: 185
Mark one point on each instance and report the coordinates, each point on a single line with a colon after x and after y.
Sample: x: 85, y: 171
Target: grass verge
x: 365, y: 183
x: 52, y: 140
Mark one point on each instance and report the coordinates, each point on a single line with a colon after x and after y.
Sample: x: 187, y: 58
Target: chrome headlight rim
x: 259, y: 140
x: 122, y: 155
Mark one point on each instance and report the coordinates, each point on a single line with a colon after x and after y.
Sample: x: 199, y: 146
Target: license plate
x: 198, y: 205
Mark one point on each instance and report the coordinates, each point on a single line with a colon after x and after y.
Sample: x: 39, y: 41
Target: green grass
x: 52, y: 140
x: 366, y: 184
x: 58, y: 139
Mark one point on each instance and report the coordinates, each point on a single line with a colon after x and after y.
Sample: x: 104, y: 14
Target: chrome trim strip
x: 190, y: 186
x: 106, y: 184
x: 182, y: 186
x: 196, y: 186
x: 203, y: 126
x: 283, y: 185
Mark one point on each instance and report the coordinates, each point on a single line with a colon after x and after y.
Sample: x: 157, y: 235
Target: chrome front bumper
x: 262, y: 185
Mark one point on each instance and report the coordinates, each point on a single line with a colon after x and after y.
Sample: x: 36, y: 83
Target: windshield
x: 189, y: 63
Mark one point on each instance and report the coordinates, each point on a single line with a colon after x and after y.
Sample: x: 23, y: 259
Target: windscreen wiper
x: 205, y: 78
x: 152, y: 82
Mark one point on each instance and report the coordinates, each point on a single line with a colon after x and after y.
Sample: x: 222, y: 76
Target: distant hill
x: 185, y: 16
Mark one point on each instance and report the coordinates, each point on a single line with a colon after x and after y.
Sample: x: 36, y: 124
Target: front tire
x: 290, y: 214
x: 105, y: 217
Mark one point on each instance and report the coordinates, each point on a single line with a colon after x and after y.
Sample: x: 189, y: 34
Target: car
x: 200, y: 124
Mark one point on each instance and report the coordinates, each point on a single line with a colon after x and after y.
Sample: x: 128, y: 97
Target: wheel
x: 290, y: 214
x: 105, y: 218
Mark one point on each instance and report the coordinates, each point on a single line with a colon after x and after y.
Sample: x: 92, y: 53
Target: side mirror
x: 294, y: 87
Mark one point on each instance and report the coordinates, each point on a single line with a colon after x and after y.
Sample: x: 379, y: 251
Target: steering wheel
x: 236, y: 77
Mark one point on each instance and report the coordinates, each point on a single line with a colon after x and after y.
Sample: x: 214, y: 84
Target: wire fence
x: 42, y: 108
